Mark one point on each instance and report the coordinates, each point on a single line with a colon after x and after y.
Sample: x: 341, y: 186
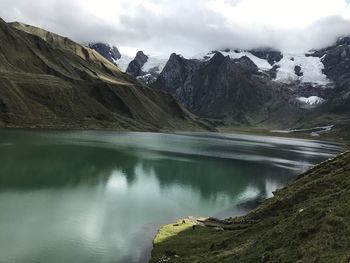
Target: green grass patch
x: 307, y: 221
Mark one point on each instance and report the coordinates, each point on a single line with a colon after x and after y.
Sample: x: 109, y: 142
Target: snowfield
x: 313, y: 100
x: 124, y: 62
x: 262, y: 64
x: 311, y: 67
x: 153, y: 62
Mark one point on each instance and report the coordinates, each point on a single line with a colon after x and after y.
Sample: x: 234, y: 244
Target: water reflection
x: 99, y: 196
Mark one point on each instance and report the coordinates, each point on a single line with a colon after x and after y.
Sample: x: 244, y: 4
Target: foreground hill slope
x: 50, y: 81
x: 307, y: 221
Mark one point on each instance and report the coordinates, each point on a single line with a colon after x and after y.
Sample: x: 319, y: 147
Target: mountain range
x: 263, y: 87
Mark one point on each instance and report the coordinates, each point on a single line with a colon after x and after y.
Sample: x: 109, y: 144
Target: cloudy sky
x: 161, y: 27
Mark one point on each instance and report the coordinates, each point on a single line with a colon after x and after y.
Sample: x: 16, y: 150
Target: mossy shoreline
x: 306, y: 221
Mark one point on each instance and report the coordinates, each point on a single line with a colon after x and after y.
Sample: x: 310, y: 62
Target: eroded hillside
x: 50, y: 81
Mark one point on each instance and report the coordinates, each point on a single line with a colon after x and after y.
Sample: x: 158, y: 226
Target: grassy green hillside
x: 307, y: 221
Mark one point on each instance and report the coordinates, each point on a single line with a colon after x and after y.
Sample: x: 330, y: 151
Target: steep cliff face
x: 146, y: 68
x: 176, y: 79
x: 231, y: 90
x: 336, y: 109
x: 135, y: 66
x: 336, y: 60
x: 50, y: 81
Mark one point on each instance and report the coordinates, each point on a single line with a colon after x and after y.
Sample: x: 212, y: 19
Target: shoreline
x: 327, y: 136
x: 214, y: 240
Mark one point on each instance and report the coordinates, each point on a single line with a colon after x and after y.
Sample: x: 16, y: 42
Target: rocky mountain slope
x: 50, y: 81
x: 135, y: 66
x: 307, y: 221
x: 143, y: 67
x: 336, y: 107
x: 262, y: 87
x: 336, y: 60
x: 230, y: 91
x: 146, y: 68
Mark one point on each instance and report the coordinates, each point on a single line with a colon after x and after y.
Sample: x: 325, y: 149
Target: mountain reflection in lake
x: 100, y: 196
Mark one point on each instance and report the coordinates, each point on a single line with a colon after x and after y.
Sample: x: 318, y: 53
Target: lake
x: 93, y: 196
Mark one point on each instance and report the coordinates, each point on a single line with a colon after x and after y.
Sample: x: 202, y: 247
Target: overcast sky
x: 161, y: 27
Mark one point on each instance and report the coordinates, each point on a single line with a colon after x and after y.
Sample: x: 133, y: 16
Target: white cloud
x: 278, y: 13
x: 188, y: 26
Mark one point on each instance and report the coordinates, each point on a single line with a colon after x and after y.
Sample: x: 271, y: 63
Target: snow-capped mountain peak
x: 290, y: 67
x: 146, y: 68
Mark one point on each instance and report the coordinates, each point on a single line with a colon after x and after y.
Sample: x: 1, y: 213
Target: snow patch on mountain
x: 124, y: 62
x: 154, y: 62
x: 311, y: 67
x: 313, y: 100
x: 262, y: 64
